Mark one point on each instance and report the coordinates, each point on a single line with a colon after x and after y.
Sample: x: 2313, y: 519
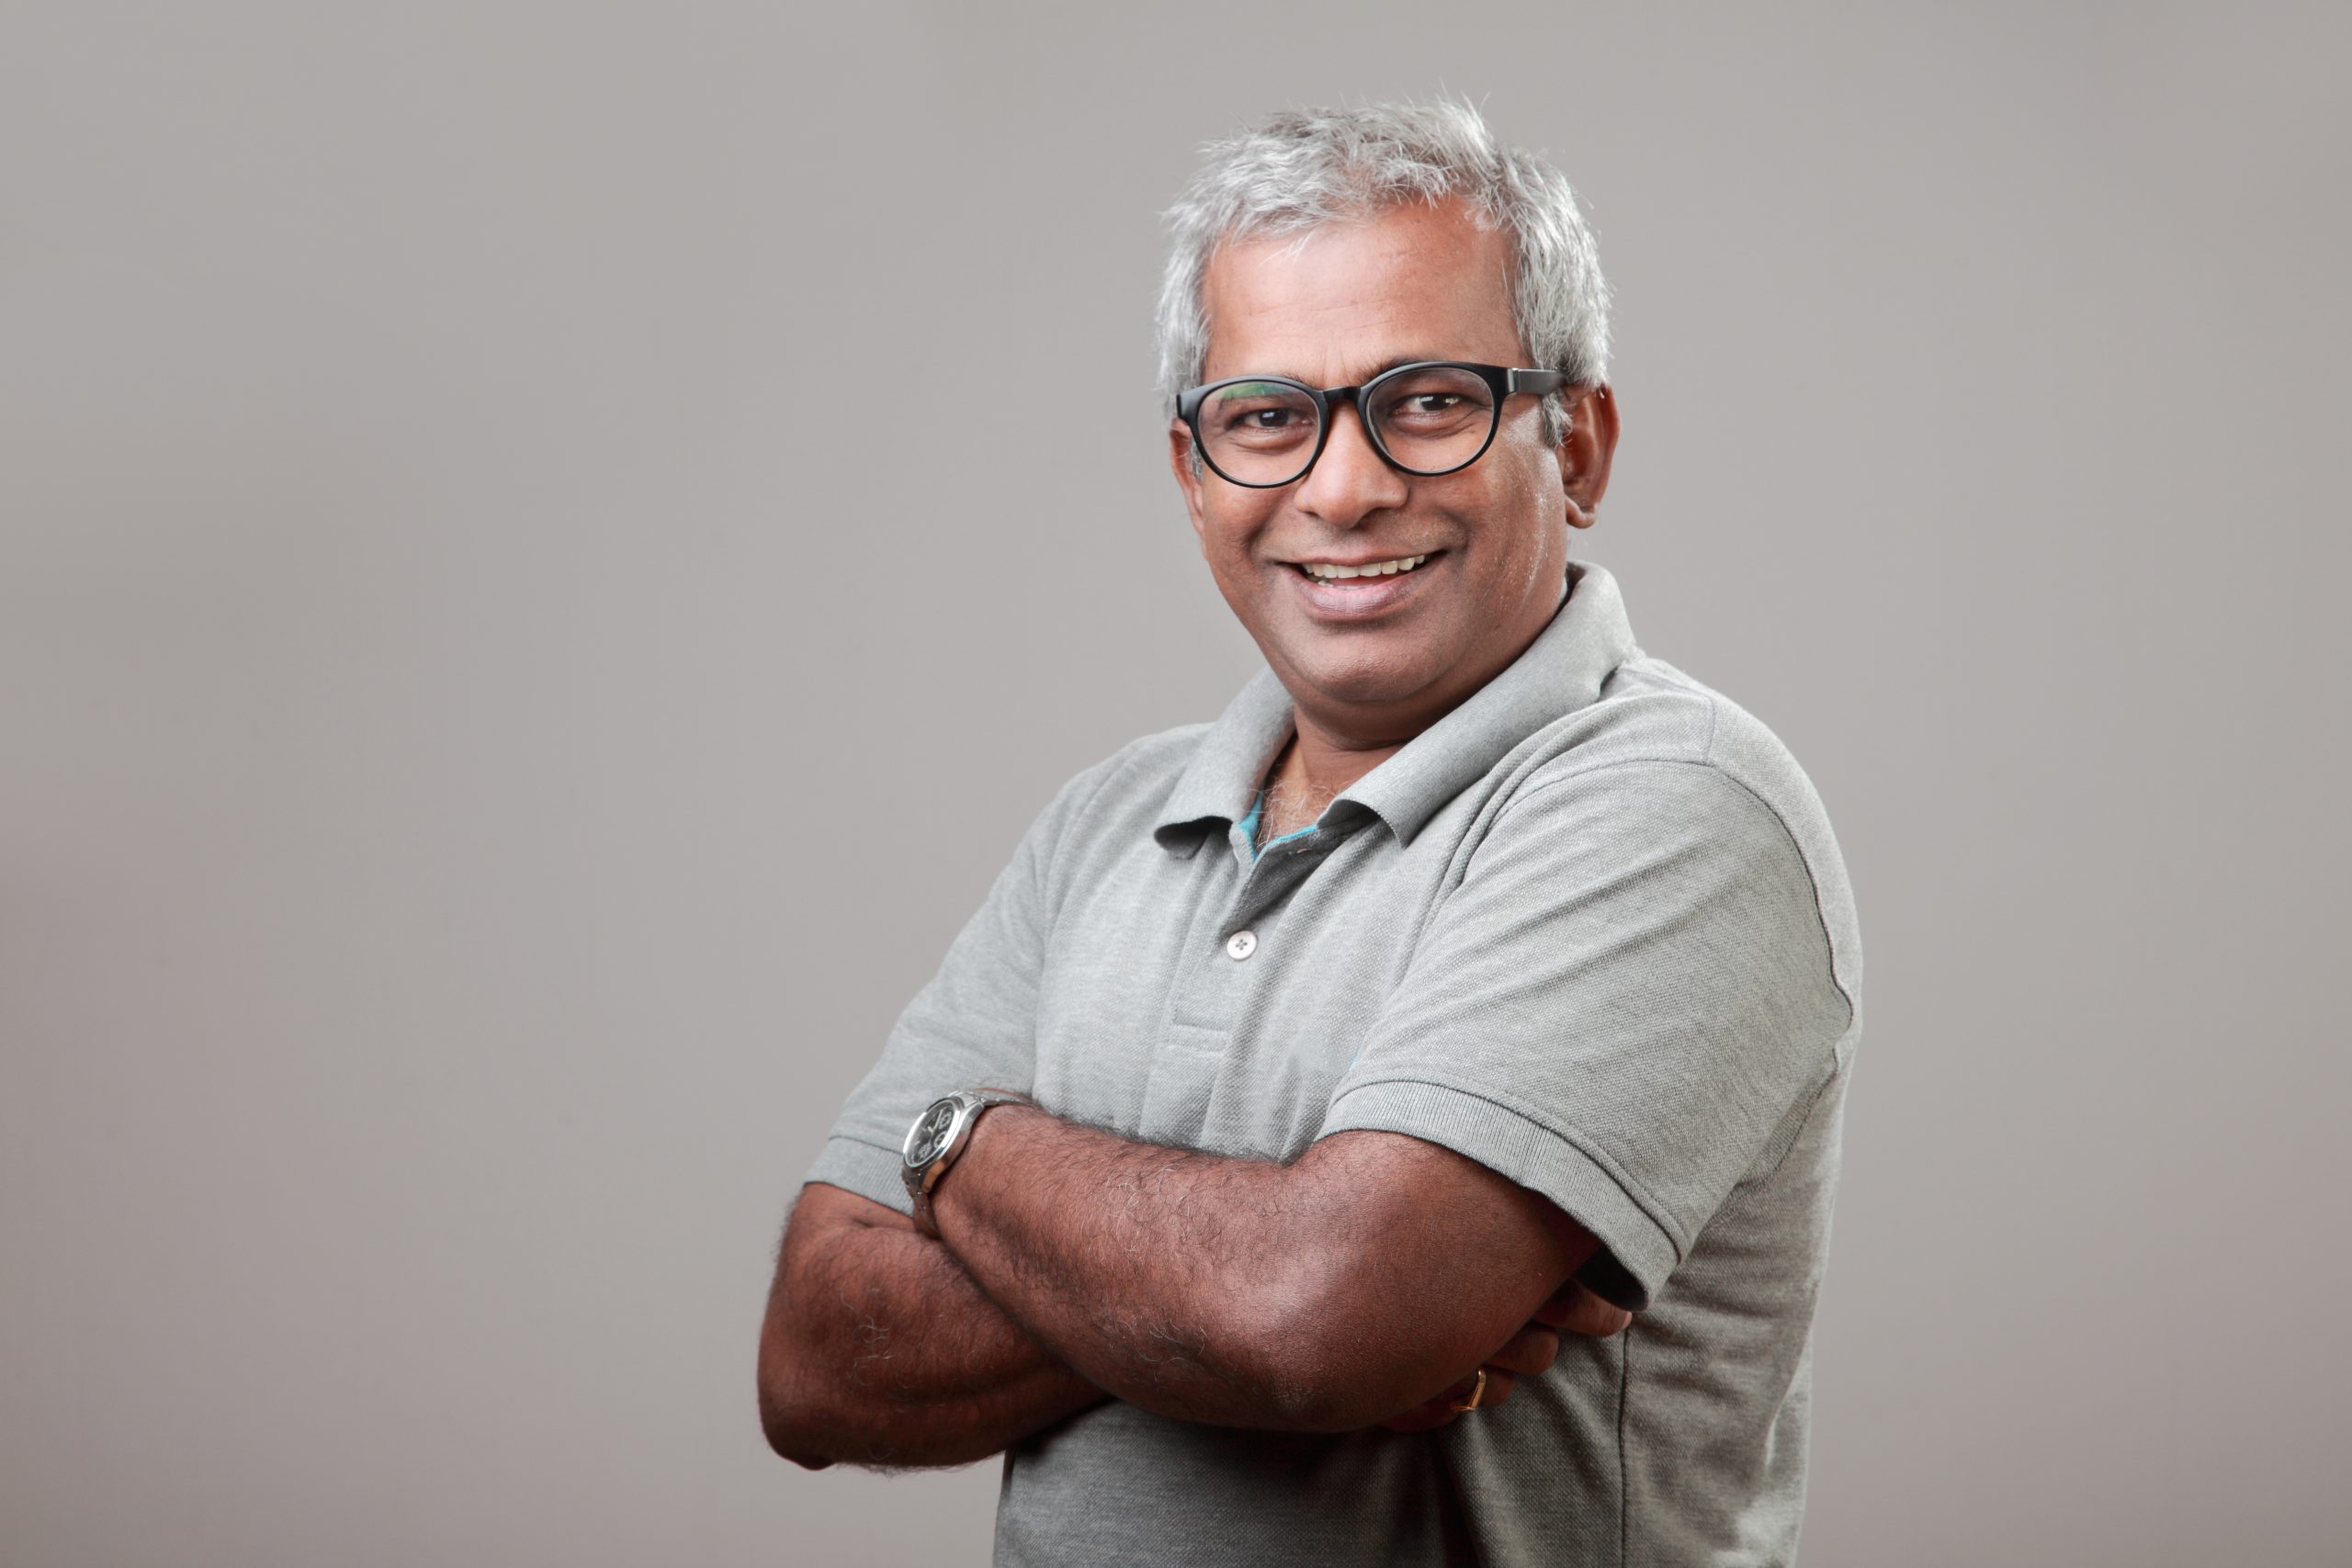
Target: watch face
x: 930, y: 1135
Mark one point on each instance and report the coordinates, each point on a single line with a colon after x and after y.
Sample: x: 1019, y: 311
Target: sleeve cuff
x: 1639, y: 1252
x: 865, y: 1169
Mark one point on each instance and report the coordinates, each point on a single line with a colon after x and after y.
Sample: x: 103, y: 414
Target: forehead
x: 1415, y: 281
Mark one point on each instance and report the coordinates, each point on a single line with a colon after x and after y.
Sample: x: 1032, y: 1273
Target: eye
x: 1262, y: 414
x: 1255, y: 418
x: 1433, y: 402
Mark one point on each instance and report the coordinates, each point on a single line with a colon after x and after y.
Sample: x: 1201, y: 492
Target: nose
x: 1350, y: 481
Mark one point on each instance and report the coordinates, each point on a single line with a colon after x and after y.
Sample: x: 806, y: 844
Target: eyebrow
x: 1382, y: 368
x: 1245, y: 388
x: 1387, y: 364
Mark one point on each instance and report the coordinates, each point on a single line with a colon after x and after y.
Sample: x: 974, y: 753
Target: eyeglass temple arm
x: 1536, y: 380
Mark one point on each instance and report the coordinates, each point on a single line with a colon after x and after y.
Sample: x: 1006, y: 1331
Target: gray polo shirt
x: 1590, y: 929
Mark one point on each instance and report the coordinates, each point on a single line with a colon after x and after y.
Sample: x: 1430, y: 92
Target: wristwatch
x: 938, y: 1136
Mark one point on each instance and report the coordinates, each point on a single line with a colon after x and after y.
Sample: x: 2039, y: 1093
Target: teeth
x: 1377, y: 568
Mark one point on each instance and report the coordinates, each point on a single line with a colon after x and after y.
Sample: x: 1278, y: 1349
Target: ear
x: 1585, y: 454
x: 1188, y: 480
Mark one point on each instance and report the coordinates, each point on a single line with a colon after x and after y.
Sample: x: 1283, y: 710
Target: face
x: 1373, y: 661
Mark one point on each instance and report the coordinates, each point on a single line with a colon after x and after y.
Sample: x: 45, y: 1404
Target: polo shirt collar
x: 1223, y: 775
x: 1561, y: 672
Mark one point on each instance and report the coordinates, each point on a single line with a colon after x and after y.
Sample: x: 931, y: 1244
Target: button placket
x: 1217, y: 978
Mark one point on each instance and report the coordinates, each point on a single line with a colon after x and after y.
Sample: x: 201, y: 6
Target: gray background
x: 519, y: 643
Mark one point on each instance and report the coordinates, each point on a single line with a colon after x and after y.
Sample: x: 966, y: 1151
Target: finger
x: 1596, y: 1318
x: 1498, y: 1387
x: 1531, y: 1350
x: 1577, y: 1310
x: 1438, y: 1412
x: 1423, y: 1417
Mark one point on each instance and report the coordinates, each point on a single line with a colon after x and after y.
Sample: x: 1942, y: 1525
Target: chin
x: 1362, y: 683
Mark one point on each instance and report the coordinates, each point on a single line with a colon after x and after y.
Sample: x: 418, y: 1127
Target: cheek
x: 1230, y: 527
x: 1535, y: 482
x: 1538, y: 503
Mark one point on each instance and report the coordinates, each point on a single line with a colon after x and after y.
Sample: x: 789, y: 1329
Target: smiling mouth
x: 1328, y: 571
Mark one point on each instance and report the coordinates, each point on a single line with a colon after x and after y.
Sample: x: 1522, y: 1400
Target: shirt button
x: 1241, y: 944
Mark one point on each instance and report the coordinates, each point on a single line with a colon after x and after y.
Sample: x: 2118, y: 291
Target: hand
x: 1578, y: 1311
x: 1530, y: 1351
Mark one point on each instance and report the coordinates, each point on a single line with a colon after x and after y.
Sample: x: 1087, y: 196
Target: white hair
x: 1304, y: 168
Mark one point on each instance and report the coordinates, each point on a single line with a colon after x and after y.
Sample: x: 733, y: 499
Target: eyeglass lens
x: 1428, y: 420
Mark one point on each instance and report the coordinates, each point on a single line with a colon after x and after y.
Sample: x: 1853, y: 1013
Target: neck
x: 1318, y: 764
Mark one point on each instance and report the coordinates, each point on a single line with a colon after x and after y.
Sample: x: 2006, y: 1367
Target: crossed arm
x: 1360, y: 1285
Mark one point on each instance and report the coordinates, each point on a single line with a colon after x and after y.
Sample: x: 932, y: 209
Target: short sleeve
x: 1623, y: 999
x: 973, y: 1025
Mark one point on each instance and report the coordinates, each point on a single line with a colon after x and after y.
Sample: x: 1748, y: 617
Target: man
x: 1475, y: 977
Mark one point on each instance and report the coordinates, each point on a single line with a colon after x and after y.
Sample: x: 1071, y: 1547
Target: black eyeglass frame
x: 1501, y: 380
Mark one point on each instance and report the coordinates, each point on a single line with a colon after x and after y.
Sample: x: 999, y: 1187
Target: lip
x: 1353, y: 599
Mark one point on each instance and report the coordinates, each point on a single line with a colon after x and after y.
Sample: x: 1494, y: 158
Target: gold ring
x: 1477, y: 1393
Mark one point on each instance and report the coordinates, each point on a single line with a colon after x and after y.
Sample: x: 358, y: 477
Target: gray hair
x: 1304, y: 168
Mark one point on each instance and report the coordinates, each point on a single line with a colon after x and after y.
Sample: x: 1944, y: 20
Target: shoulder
x: 1653, y: 718
x: 1139, y: 775
x: 1666, y: 757
x: 1110, y: 802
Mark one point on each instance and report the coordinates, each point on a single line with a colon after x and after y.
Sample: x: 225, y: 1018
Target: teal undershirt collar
x: 1248, y: 825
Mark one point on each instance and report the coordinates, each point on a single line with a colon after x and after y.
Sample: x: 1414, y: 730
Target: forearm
x: 1121, y: 1257
x: 879, y: 1349
x: 1234, y: 1291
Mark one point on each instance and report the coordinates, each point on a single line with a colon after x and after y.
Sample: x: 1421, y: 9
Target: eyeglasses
x: 1428, y: 418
